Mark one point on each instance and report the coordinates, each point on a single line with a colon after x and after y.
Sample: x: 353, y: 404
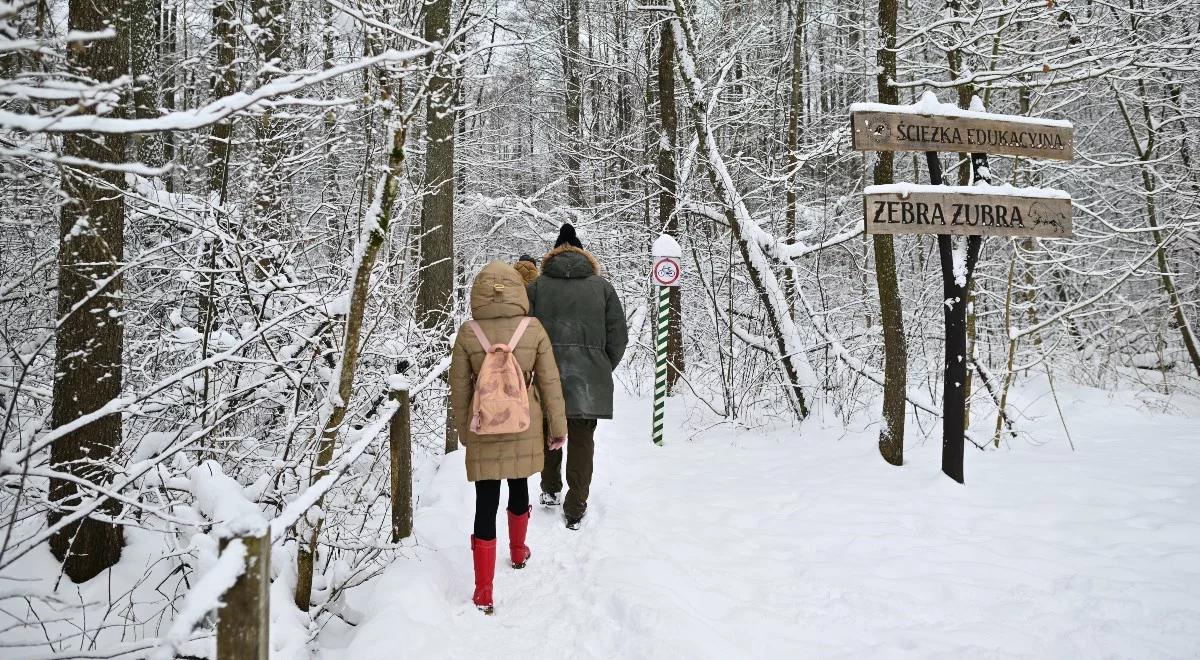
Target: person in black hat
x: 586, y: 323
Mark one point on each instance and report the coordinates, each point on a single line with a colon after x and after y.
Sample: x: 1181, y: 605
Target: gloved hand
x: 557, y: 443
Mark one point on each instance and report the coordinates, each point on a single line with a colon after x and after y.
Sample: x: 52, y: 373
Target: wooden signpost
x: 244, y: 619
x: 966, y: 211
x: 970, y: 211
x: 902, y: 128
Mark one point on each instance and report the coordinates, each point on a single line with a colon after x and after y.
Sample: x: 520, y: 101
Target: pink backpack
x: 501, y: 401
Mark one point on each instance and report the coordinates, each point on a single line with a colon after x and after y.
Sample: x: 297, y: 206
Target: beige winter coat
x: 528, y: 271
x: 498, y: 303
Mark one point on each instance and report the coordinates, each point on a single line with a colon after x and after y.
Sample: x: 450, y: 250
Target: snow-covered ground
x: 784, y: 544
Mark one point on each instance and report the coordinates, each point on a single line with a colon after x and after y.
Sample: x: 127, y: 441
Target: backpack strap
x: 512, y: 343
x: 483, y: 340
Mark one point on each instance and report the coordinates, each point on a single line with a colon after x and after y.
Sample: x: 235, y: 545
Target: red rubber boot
x: 484, y: 554
x: 517, y: 527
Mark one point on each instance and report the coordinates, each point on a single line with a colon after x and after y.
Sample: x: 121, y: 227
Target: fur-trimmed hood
x: 569, y: 262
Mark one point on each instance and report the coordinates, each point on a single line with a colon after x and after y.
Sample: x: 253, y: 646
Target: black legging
x: 487, y: 501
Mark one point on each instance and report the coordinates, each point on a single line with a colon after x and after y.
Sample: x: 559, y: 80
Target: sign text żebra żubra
x: 965, y: 213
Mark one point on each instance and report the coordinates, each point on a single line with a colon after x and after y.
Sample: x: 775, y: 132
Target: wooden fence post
x: 400, y: 440
x: 243, y: 622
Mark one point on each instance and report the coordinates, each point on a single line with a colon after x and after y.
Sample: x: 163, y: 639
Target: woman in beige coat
x: 498, y: 305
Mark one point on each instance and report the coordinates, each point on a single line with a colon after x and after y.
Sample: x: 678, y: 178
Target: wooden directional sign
x: 907, y: 209
x: 980, y: 210
x: 899, y: 129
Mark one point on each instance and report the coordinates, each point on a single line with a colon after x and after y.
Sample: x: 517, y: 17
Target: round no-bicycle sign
x: 666, y: 271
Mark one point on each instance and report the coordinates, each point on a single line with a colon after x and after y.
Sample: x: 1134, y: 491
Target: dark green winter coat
x: 583, y: 316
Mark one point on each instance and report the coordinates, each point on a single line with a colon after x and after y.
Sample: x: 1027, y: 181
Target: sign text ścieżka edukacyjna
x: 905, y: 129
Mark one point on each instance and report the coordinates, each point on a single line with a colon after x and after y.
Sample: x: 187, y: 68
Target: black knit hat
x: 528, y: 258
x: 567, y: 235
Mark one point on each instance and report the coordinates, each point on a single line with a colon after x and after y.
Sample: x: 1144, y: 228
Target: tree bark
x: 626, y: 165
x: 143, y: 25
x: 436, y: 281
x: 87, y: 363
x: 668, y: 219
x: 244, y: 620
x: 795, y: 119
x: 269, y: 132
x: 167, y: 49
x: 574, y: 104
x: 895, y: 348
x: 400, y: 454
x: 224, y: 14
x: 329, y: 180
x: 435, y: 288
x: 968, y: 172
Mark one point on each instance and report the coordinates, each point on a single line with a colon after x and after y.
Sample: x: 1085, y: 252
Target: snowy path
x: 768, y: 547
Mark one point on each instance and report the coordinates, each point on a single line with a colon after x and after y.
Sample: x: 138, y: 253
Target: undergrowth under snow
x: 753, y: 543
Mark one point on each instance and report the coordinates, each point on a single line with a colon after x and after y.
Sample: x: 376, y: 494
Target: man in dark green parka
x: 583, y: 316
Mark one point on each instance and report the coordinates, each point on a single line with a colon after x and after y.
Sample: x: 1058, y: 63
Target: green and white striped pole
x: 665, y: 272
x: 660, y: 362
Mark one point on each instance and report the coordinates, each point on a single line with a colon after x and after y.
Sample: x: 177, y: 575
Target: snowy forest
x: 237, y: 239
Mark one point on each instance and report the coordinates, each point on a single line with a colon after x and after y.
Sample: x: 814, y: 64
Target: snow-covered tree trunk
x: 436, y: 281
x: 337, y: 401
x: 795, y: 123
x: 957, y: 268
x: 573, y: 98
x: 91, y: 328
x: 143, y: 19
x: 895, y: 346
x: 224, y: 15
x: 1146, y: 152
x: 668, y: 218
x: 796, y: 371
x: 270, y: 179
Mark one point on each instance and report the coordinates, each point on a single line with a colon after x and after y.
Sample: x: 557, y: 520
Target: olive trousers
x: 580, y: 448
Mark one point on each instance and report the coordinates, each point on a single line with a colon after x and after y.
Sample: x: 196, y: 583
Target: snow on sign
x: 666, y: 271
x: 930, y: 125
x: 967, y: 210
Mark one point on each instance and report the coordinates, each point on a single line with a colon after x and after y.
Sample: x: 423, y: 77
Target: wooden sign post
x: 244, y: 620
x: 400, y: 453
x: 665, y: 272
x: 971, y: 211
